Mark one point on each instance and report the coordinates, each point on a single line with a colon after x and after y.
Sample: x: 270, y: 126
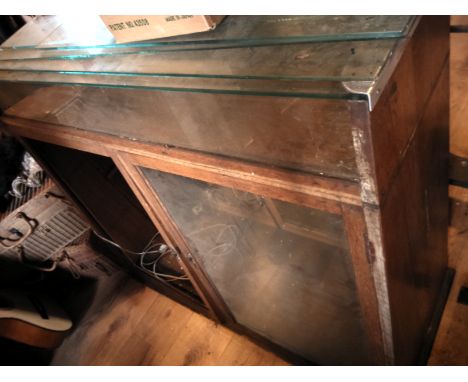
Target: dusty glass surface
x: 283, y: 270
x: 61, y: 33
x: 340, y: 61
x: 300, y: 55
x: 312, y: 135
x: 267, y: 101
x: 265, y: 87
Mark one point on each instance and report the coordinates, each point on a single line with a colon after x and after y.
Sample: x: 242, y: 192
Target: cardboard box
x: 138, y: 28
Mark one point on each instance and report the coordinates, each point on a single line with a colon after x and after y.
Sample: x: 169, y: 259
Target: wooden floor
x: 451, y: 345
x: 130, y: 324
x: 137, y: 326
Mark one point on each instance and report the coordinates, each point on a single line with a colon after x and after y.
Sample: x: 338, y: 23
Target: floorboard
x: 142, y: 327
x: 451, y: 344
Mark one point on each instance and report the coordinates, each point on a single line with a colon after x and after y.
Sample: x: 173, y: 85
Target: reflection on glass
x: 298, y: 133
x: 62, y: 33
x: 340, y: 61
x: 283, y: 270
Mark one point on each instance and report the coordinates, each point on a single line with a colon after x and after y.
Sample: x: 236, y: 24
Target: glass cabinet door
x: 283, y: 270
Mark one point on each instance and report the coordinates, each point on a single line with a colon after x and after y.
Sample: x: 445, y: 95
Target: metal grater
x: 58, y: 225
x: 54, y: 235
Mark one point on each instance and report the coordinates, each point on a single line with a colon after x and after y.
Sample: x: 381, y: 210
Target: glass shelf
x: 296, y: 69
x: 307, y: 89
x: 299, y: 56
x: 60, y: 33
x: 339, y: 61
x: 280, y: 74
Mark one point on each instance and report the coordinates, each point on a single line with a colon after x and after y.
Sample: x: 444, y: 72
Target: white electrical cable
x: 150, y: 249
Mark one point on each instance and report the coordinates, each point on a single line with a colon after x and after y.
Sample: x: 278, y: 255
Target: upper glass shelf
x: 65, y: 33
x: 340, y: 61
x: 310, y: 56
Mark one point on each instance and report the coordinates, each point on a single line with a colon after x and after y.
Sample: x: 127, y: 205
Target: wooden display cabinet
x: 300, y: 177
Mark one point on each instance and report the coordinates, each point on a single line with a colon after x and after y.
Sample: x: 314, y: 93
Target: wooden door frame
x: 324, y: 193
x: 336, y: 196
x: 353, y: 219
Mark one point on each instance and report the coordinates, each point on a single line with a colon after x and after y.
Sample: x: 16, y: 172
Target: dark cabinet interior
x: 95, y: 184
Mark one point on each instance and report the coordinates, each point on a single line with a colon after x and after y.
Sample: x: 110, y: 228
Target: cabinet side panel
x: 404, y: 100
x: 401, y: 150
x: 414, y: 226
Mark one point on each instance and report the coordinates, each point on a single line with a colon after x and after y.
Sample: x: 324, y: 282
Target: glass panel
x: 305, y: 89
x: 283, y: 270
x: 340, y: 61
x: 67, y: 32
x: 296, y: 133
x: 314, y: 56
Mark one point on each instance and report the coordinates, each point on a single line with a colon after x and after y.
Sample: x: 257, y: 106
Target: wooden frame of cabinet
x: 395, y: 216
x: 337, y: 197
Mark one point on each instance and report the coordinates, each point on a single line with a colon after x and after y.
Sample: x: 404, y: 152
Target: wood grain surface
x: 451, y: 345
x: 138, y: 326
